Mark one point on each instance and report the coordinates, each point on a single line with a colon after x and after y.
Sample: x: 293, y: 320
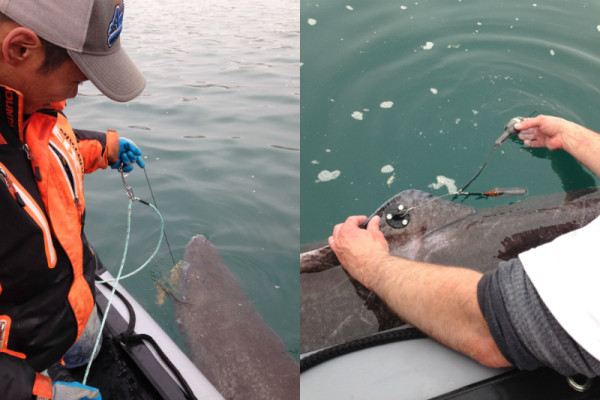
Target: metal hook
x: 128, y: 188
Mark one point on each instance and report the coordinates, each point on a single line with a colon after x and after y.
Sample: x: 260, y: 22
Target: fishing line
x: 112, y: 293
x: 156, y: 204
x: 401, y: 215
x: 132, y: 199
x: 461, y: 190
x: 480, y: 170
x: 509, y: 130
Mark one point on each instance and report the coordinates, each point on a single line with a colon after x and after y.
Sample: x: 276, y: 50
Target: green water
x: 218, y: 125
x: 434, y: 83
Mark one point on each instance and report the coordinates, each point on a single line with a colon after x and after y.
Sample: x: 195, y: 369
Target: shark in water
x: 335, y: 308
x: 226, y: 337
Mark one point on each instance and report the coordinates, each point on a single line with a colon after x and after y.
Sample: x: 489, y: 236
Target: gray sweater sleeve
x: 524, y: 329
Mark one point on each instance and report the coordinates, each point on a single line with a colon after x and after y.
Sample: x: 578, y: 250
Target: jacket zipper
x: 3, y: 331
x: 31, y: 158
x: 34, y: 211
x: 68, y: 174
x: 11, y: 188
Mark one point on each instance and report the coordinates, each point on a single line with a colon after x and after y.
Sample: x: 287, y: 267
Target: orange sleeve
x: 95, y: 156
x: 42, y: 387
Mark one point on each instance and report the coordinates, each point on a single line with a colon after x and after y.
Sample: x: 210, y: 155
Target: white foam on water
x: 350, y: 8
x: 357, y: 115
x: 428, y: 46
x: 312, y: 21
x: 386, y: 104
x: 386, y: 169
x: 326, y: 175
x: 444, y: 181
x: 391, y: 180
x: 433, y: 90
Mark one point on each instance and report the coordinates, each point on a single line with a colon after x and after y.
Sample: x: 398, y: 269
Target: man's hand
x: 556, y: 133
x: 128, y: 154
x: 439, y: 300
x: 545, y: 131
x: 360, y: 251
x: 73, y: 391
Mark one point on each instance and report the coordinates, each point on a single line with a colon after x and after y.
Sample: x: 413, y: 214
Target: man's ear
x: 19, y: 44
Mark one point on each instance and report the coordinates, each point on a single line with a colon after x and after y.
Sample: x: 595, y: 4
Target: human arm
x: 100, y: 150
x: 439, y: 300
x: 525, y: 330
x: 559, y: 134
x: 18, y: 381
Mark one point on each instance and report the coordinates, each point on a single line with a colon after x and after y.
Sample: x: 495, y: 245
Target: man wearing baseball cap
x: 47, y: 268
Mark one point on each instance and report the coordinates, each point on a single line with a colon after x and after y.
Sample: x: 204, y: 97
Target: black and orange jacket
x: 47, y: 267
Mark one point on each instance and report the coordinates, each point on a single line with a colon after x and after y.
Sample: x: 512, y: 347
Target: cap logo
x: 116, y: 25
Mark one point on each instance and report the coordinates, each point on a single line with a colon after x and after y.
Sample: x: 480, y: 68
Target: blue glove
x: 128, y: 154
x: 74, y: 391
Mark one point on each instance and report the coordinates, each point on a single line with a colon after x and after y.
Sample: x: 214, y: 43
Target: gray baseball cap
x: 89, y: 30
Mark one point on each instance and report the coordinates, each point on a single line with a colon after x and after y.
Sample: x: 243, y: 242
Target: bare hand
x: 545, y: 131
x: 360, y: 251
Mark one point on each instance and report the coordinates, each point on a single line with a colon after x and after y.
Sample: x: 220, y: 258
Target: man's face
x: 42, y: 89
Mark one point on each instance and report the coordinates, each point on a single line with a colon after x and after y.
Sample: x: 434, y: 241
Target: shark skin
x: 226, y: 337
x: 334, y: 308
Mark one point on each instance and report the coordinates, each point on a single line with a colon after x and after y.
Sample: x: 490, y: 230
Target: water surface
x: 396, y: 94
x: 219, y: 127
